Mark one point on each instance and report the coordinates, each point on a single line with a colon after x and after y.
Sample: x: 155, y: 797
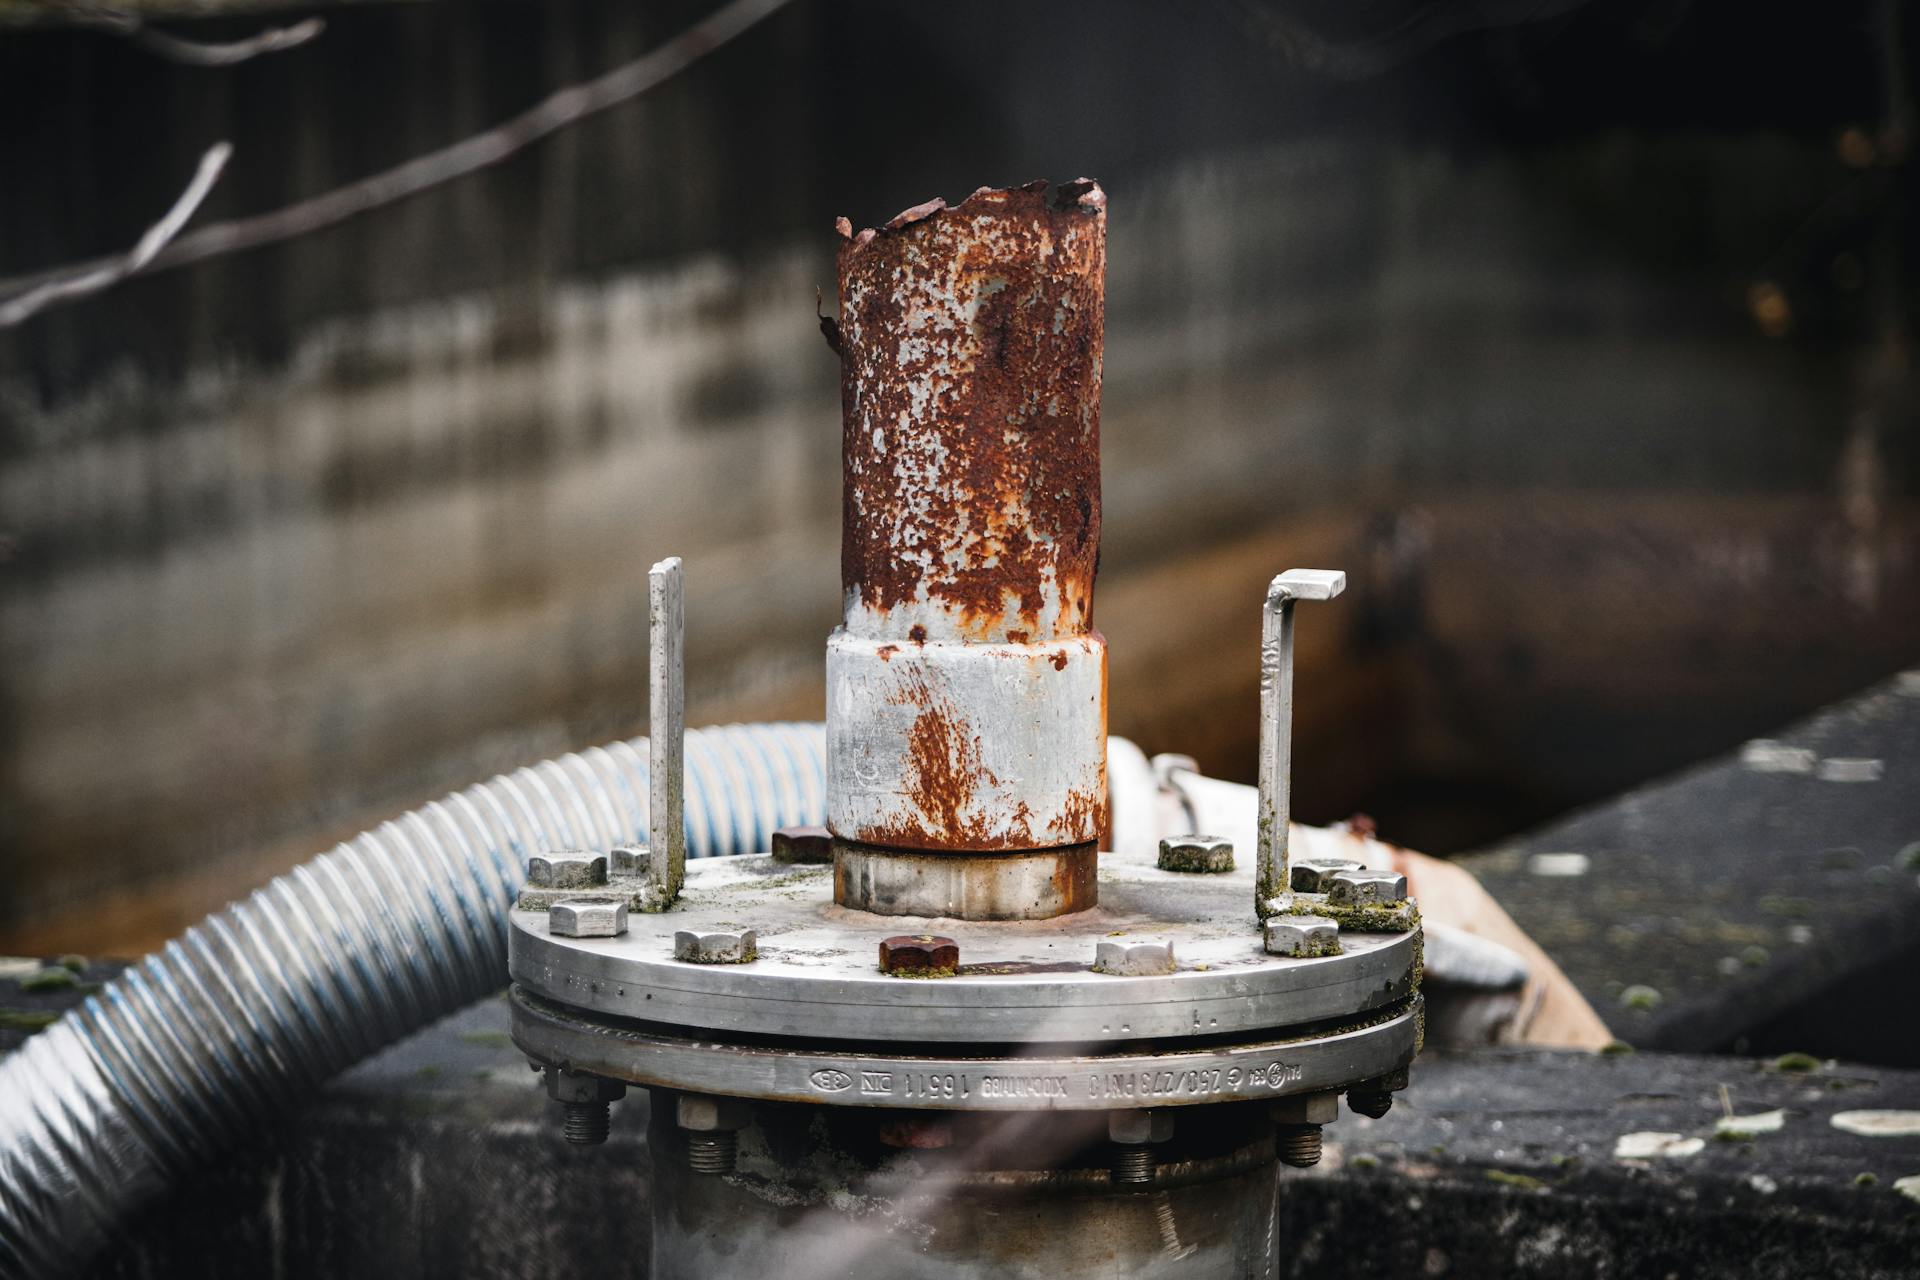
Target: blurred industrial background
x: 1579, y: 334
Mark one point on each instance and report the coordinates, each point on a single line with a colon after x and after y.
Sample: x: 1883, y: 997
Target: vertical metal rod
x: 666, y: 729
x: 1276, y: 726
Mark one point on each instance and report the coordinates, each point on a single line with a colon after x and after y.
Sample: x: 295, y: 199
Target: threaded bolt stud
x: 587, y: 1123
x: 1298, y: 1145
x: 714, y: 1152
x: 1132, y: 1164
x: 1372, y: 1103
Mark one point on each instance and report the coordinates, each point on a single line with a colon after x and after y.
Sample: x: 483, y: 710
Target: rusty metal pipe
x: 966, y: 687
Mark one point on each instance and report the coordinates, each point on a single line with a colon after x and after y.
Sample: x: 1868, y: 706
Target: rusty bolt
x: 1209, y: 854
x: 919, y: 955
x: 808, y: 845
x: 1374, y: 1098
x: 587, y: 918
x: 570, y: 869
x: 739, y: 946
x: 1133, y: 959
x: 1367, y: 888
x: 1302, y: 936
x: 1313, y: 875
x: 1369, y: 1102
x: 1298, y: 1145
x: 1296, y: 1126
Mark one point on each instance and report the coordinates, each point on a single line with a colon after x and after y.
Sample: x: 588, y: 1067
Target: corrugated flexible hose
x: 243, y: 1015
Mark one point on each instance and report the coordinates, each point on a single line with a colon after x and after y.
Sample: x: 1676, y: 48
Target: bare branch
x: 436, y: 168
x: 104, y: 275
x: 196, y: 53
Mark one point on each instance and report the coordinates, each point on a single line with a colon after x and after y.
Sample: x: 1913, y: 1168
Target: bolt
x: 583, y: 1100
x: 1209, y: 854
x: 1374, y: 1098
x: 1270, y: 879
x: 628, y: 859
x: 921, y: 955
x: 586, y: 1124
x: 567, y: 869
x: 737, y: 947
x: 712, y: 1126
x: 1132, y: 1165
x: 1318, y: 1108
x: 1367, y: 888
x: 1298, y: 1145
x: 1139, y: 1125
x: 1369, y: 1102
x: 1133, y: 959
x: 712, y: 1152
x: 1313, y: 875
x: 1133, y: 1133
x: 1302, y: 936
x: 587, y: 918
x: 807, y: 845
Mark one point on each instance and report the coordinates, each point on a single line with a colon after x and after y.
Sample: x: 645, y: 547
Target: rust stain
x: 1079, y: 818
x: 971, y: 342
x: 1059, y: 661
x: 918, y: 635
x: 886, y: 651
x: 944, y: 774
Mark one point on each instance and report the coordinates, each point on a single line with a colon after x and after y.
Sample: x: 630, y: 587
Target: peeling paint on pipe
x: 966, y: 691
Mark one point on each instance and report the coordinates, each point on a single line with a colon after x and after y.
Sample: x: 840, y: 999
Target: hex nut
x: 1307, y: 1108
x: 738, y: 947
x: 1302, y: 936
x: 920, y: 955
x: 1133, y: 959
x: 808, y: 846
x: 1313, y: 875
x: 587, y: 918
x: 629, y: 860
x: 567, y: 870
x: 579, y: 1086
x: 705, y: 1113
x: 1141, y: 1124
x: 1209, y: 855
x: 1367, y: 889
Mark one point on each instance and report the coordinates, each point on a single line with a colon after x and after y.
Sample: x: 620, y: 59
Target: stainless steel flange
x: 1053, y: 1079
x: 1018, y: 981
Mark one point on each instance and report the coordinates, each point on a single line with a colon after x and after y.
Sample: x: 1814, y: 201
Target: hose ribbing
x: 251, y: 1009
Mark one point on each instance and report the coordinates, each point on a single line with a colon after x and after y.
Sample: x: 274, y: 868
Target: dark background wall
x: 1579, y: 334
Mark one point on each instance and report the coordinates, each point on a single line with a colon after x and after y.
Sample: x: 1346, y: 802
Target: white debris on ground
x: 1656, y: 1146
x: 1878, y: 1124
x: 1747, y: 1126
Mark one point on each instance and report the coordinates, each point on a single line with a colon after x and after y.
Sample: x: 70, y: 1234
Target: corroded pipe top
x: 970, y: 341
